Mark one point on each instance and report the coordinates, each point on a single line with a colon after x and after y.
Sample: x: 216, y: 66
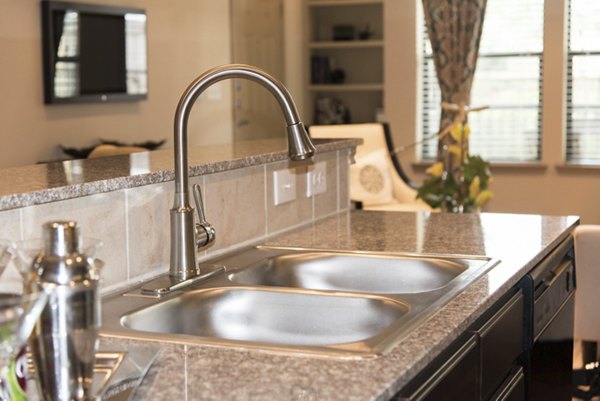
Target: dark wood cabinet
x: 482, y: 365
x: 455, y: 379
x: 501, y: 342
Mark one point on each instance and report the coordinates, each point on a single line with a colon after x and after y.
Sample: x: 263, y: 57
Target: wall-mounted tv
x: 93, y: 53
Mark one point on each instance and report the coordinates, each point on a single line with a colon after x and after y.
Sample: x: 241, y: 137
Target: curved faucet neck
x: 197, y: 87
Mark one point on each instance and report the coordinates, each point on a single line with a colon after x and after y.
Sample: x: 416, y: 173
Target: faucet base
x: 167, y: 284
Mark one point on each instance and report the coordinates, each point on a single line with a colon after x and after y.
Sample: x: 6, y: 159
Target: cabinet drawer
x: 456, y: 379
x: 501, y: 339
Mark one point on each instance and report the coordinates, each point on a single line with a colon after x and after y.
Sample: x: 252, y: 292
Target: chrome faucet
x: 187, y: 237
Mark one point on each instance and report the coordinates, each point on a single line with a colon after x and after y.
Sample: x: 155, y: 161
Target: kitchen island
x: 218, y: 373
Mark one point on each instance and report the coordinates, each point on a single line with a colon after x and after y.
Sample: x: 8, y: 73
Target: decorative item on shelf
x: 343, y: 32
x: 338, y: 76
x: 366, y: 33
x: 464, y: 185
x: 83, y: 153
x: 330, y: 110
x: 320, y: 71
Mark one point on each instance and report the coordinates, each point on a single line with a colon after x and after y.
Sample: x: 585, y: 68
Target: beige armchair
x: 586, y: 373
x: 587, y: 297
x: 377, y: 181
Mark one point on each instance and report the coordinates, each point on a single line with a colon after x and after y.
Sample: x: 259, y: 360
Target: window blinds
x: 507, y: 78
x: 583, y: 83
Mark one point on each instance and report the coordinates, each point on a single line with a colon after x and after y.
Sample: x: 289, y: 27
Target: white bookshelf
x: 358, y: 59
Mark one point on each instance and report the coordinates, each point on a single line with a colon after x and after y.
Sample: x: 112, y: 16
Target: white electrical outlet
x: 316, y: 179
x: 284, y: 190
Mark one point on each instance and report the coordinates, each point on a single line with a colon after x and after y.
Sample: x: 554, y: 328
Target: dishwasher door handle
x: 552, y: 276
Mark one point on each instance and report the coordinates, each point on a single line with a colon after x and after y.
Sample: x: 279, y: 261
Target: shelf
x: 359, y: 61
x: 349, y: 44
x: 326, y: 3
x: 346, y: 87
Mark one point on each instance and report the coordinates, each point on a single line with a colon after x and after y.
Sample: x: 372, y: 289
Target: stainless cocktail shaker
x: 64, y: 339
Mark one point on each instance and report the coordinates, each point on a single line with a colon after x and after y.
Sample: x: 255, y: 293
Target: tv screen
x: 93, y: 53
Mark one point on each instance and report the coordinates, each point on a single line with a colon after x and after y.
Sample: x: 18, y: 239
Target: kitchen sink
x: 341, y: 304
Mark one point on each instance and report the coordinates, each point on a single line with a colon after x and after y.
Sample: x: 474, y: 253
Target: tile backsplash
x: 134, y: 223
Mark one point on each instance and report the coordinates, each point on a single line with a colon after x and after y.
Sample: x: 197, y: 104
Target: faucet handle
x: 205, y: 232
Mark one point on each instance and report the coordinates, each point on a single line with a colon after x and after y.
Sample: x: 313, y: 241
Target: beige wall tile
x: 235, y: 205
x: 327, y: 202
x: 345, y: 157
x: 99, y: 216
x: 10, y: 225
x: 10, y: 229
x: 148, y: 228
x: 291, y: 213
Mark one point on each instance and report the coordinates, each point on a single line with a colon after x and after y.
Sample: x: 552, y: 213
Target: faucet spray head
x: 299, y: 143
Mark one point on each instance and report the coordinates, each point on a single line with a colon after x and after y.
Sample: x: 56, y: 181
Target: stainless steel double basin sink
x: 322, y: 302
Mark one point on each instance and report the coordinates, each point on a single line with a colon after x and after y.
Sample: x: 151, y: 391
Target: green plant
x: 462, y: 187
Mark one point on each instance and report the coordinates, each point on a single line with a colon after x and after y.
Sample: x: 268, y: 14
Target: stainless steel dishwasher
x: 549, y: 293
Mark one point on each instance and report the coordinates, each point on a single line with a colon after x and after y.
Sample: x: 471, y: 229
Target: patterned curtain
x: 454, y: 28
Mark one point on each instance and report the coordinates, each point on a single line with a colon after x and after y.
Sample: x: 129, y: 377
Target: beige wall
x: 185, y: 38
x: 548, y: 188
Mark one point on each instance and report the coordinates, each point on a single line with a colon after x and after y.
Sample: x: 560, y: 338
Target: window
x: 508, y: 78
x: 583, y: 83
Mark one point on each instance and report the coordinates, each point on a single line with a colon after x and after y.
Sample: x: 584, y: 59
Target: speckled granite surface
x: 43, y: 183
x: 213, y: 373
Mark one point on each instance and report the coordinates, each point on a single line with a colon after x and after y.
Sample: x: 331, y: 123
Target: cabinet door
x: 257, y: 39
x: 456, y: 379
x: 513, y: 389
x: 501, y: 344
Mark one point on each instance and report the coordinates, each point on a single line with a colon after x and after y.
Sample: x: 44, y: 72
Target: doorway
x: 257, y: 39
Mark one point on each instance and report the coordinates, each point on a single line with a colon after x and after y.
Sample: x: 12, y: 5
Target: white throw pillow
x: 370, y: 180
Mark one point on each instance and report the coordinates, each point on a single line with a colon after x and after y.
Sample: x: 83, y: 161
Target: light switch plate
x: 316, y: 179
x: 284, y: 190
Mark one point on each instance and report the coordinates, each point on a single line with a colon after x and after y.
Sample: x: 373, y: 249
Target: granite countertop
x: 49, y: 182
x: 216, y: 373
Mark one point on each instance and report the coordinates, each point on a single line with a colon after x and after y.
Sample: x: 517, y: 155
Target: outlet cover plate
x: 284, y: 182
x: 316, y: 179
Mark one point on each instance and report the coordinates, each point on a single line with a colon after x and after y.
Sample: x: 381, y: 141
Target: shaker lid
x: 61, y: 237
x: 61, y: 261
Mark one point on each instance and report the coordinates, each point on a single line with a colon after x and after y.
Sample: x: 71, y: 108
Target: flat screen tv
x: 93, y: 53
